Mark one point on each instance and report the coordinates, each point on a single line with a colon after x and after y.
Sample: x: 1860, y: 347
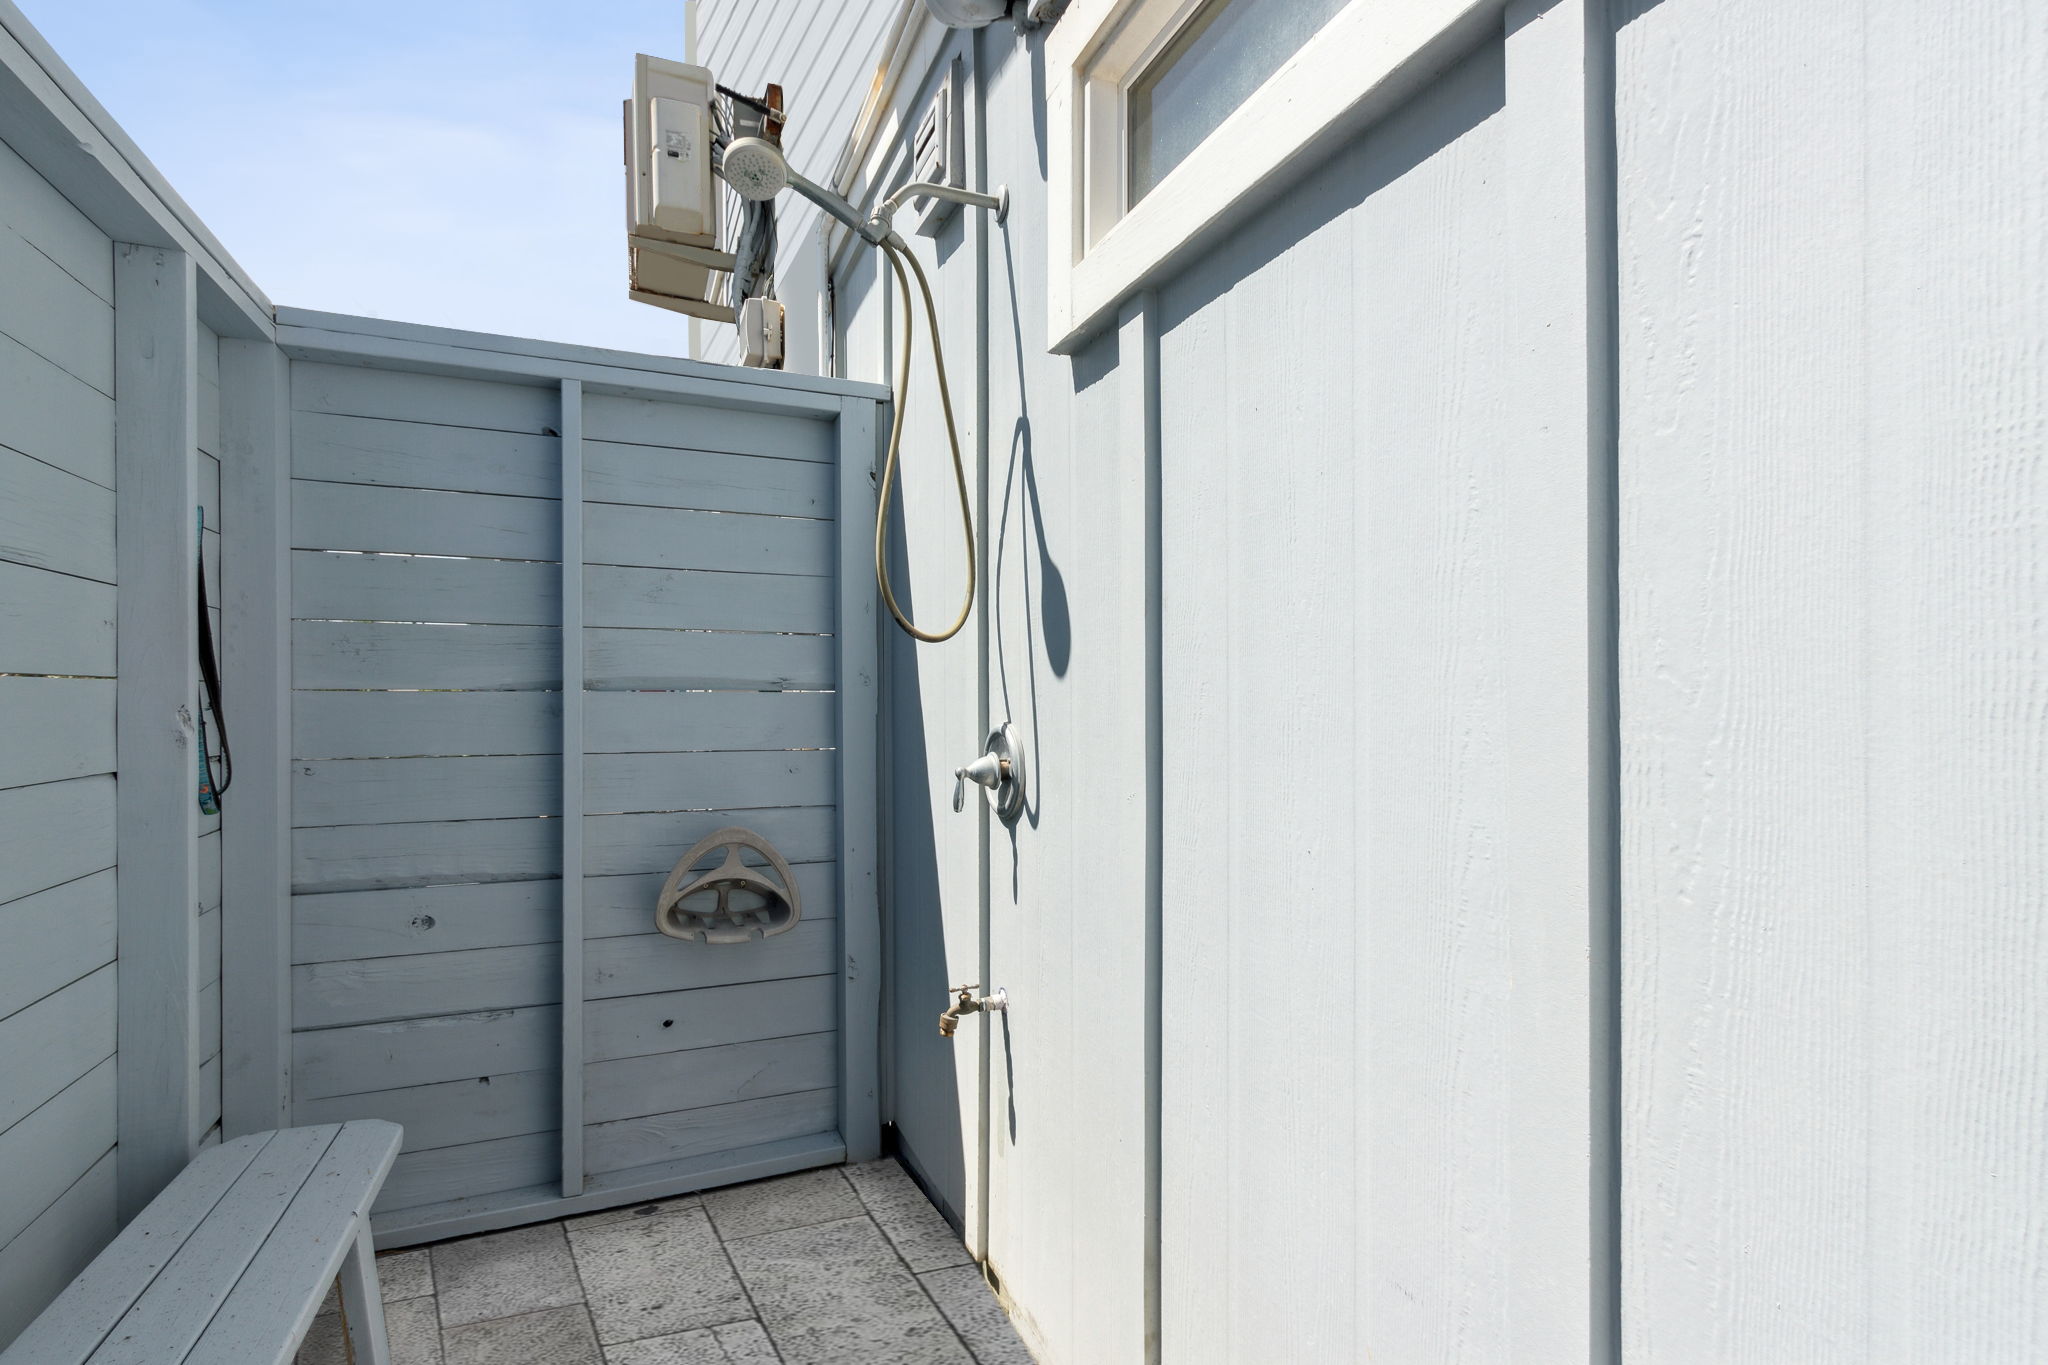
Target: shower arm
x: 879, y: 230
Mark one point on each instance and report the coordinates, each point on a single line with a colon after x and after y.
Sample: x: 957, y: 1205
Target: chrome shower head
x: 755, y: 168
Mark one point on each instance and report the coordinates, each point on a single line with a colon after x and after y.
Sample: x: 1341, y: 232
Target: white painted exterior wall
x: 1540, y: 965
x: 824, y: 57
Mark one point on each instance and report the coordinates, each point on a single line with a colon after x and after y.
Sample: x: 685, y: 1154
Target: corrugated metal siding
x: 825, y: 59
x: 57, y: 592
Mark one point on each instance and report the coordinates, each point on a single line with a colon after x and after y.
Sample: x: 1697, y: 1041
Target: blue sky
x: 442, y: 161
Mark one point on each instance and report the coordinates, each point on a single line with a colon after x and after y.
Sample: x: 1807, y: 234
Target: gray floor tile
x: 970, y: 1305
x: 400, y: 1275
x: 919, y: 1232
x: 412, y: 1326
x: 502, y: 1273
x: 598, y: 1220
x: 683, y: 1348
x: 403, y: 1275
x: 554, y: 1336
x: 787, y: 1201
x: 837, y: 1293
x: 746, y: 1343
x: 651, y: 1277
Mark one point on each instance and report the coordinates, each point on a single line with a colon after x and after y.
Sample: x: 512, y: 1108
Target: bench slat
x: 306, y: 1247
x: 164, y: 1323
x: 72, y: 1328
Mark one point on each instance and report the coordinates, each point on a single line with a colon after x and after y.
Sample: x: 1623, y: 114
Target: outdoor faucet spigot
x: 968, y: 1004
x: 989, y: 771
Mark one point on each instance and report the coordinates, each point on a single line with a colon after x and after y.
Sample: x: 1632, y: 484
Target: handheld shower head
x: 755, y: 168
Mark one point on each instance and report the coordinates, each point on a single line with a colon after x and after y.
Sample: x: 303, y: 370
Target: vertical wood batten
x: 572, y: 787
x: 256, y: 683
x: 156, y: 631
x: 860, y: 1119
x: 1559, y: 845
x: 1138, y: 438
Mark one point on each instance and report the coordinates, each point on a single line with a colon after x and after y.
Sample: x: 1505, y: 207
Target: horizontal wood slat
x: 397, y: 395
x: 53, y: 1146
x: 56, y: 520
x: 52, y: 314
x: 53, y: 1042
x: 37, y: 1265
x: 53, y: 416
x: 699, y: 599
x: 61, y: 831
x: 346, y: 925
x: 673, y: 538
x: 614, y: 844
x: 347, y: 655
x: 393, y: 587
x: 476, y: 1168
x: 395, y: 790
x: 57, y: 728
x: 54, y: 937
x: 347, y: 516
x: 623, y: 1026
x: 37, y: 212
x: 635, y: 1087
x: 654, y: 476
x: 447, y: 724
x: 617, y: 660
x: 680, y: 425
x: 342, y: 448
x: 452, y: 1047
x: 52, y: 623
x: 619, y: 905
x: 387, y: 989
x: 626, y: 1143
x: 365, y: 857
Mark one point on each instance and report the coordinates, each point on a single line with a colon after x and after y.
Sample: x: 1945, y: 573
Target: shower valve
x: 999, y: 772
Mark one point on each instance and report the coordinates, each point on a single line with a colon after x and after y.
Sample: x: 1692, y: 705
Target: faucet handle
x: 987, y: 771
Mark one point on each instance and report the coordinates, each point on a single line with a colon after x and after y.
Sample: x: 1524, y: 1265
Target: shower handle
x: 999, y: 772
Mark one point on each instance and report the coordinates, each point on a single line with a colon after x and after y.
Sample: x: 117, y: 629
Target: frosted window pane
x: 1224, y: 53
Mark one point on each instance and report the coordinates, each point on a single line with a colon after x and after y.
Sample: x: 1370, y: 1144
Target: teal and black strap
x: 210, y: 791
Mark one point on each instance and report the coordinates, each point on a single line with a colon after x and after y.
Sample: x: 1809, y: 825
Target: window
x: 1169, y: 115
x: 1222, y: 53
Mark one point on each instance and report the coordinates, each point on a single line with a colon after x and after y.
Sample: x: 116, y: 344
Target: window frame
x: 1102, y: 248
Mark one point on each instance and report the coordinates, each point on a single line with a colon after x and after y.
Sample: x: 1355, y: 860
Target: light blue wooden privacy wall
x: 116, y: 310
x: 552, y: 614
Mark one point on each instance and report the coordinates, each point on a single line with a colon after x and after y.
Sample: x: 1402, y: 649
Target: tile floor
x: 849, y: 1265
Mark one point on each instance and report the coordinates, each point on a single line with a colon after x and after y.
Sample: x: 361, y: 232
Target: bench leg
x: 364, y: 1301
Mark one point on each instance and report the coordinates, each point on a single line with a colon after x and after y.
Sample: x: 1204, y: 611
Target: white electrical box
x: 672, y: 204
x: 760, y: 325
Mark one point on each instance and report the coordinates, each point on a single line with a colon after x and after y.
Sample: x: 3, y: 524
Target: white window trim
x: 1367, y: 59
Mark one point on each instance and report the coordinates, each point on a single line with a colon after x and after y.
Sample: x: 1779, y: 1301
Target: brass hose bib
x: 969, y: 1004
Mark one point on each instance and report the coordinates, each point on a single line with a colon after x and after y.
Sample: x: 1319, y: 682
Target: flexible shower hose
x: 897, y: 257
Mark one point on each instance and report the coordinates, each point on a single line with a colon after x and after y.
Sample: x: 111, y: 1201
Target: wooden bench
x: 229, y: 1264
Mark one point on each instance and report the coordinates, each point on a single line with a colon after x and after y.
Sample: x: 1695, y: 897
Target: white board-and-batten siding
x: 427, y: 782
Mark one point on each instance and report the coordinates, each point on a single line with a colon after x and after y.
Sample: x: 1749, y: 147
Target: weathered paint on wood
x: 57, y: 728
x: 54, y: 1041
x: 52, y: 623
x: 625, y: 1144
x: 35, y: 1266
x: 157, y: 693
x: 54, y: 937
x: 54, y: 417
x: 55, y: 520
x: 667, y: 424
x: 53, y: 1146
x: 51, y: 313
